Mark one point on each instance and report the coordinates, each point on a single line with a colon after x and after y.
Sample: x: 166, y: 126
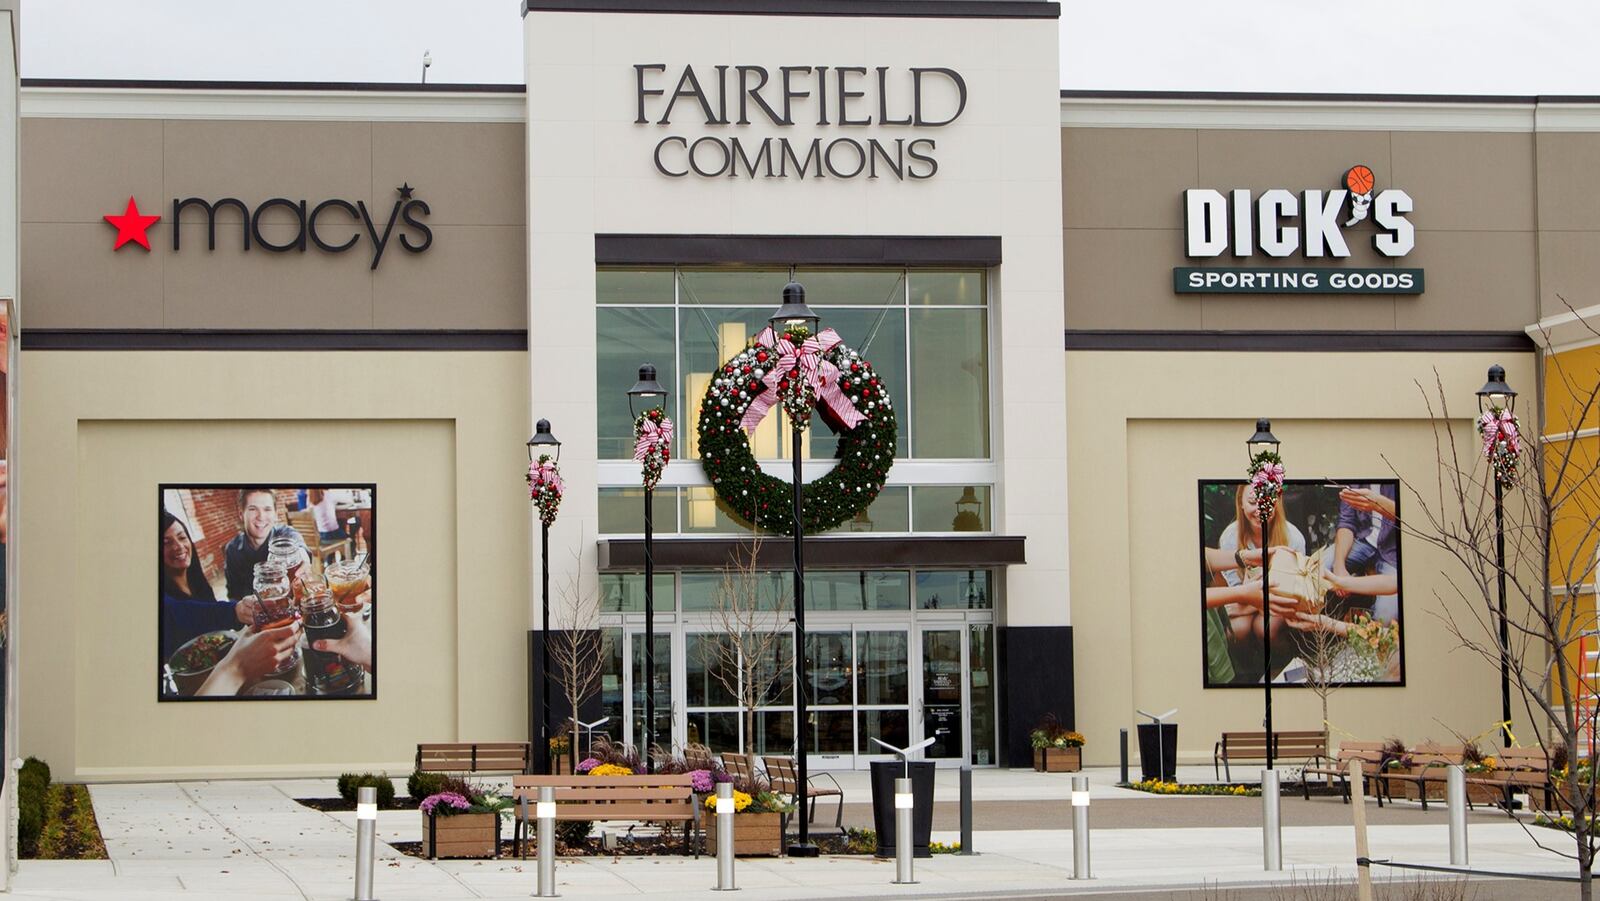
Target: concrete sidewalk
x: 251, y: 840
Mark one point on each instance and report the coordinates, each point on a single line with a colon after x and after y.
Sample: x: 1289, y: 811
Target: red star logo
x: 132, y: 227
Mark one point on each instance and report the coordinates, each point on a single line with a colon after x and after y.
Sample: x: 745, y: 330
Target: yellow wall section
x: 1569, y: 378
x: 440, y: 433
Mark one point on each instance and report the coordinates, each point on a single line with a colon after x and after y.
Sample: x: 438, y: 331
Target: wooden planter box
x: 461, y: 835
x: 754, y: 834
x: 1058, y: 760
x: 1486, y: 794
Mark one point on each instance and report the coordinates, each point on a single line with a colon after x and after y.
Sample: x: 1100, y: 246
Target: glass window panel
x: 711, y: 670
x: 717, y: 731
x: 834, y: 287
x: 709, y: 336
x: 889, y: 513
x: 829, y: 664
x: 950, y: 508
x: 706, y: 514
x: 761, y: 288
x: 950, y: 384
x: 880, y: 337
x: 633, y: 286
x: 624, y: 593
x: 980, y: 660
x: 965, y: 288
x: 892, y: 726
x: 834, y: 732
x: 777, y: 673
x: 622, y: 511
x: 700, y: 589
x: 882, y: 660
x: 610, y: 686
x: 663, y: 669
x: 954, y: 589
x: 625, y: 338
x: 775, y: 732
x: 857, y: 590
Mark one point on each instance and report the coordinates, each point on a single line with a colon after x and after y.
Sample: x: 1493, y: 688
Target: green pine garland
x: 865, y: 452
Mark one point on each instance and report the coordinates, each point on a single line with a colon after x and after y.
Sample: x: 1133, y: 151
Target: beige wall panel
x: 1569, y: 271
x: 1479, y: 181
x: 1569, y: 180
x: 1127, y: 177
x: 471, y: 278
x: 1122, y: 278
x: 257, y: 160
x: 79, y: 170
x: 436, y: 431
x: 1148, y: 426
x: 68, y: 287
x: 1294, y: 160
x: 469, y: 173
x: 1475, y: 280
x: 230, y: 288
x: 1296, y: 312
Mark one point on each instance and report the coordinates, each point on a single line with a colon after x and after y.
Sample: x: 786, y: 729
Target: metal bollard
x: 1124, y: 779
x: 903, y: 835
x: 545, y: 812
x: 725, y: 811
x: 1271, y: 827
x: 1456, y: 798
x: 1080, y: 825
x: 366, y: 839
x: 966, y: 808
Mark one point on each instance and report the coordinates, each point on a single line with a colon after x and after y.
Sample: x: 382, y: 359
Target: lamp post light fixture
x: 1263, y: 441
x: 543, y: 442
x: 647, y: 393
x: 793, y: 315
x: 1496, y: 396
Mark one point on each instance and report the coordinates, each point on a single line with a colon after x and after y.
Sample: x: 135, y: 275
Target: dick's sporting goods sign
x: 1313, y: 225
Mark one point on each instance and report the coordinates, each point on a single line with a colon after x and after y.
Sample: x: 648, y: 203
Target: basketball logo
x: 1358, y: 180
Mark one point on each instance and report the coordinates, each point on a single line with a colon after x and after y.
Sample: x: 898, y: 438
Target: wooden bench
x: 655, y: 799
x: 470, y: 758
x: 698, y: 757
x: 1524, y: 769
x: 1370, y: 753
x: 739, y: 766
x: 1434, y: 760
x: 783, y: 775
x: 1307, y: 746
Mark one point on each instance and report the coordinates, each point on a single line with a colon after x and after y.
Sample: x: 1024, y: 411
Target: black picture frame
x: 161, y: 490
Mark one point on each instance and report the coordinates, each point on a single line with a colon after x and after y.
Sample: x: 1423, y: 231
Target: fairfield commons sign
x: 1280, y: 224
x: 724, y: 99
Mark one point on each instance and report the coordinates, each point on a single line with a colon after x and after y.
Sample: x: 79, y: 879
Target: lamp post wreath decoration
x: 1266, y: 485
x: 652, y: 445
x: 545, y: 487
x: 1502, y: 442
x: 801, y: 371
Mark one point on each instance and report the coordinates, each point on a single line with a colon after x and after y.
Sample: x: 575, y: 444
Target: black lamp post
x: 1496, y: 395
x: 794, y: 314
x: 1261, y: 442
x: 543, y: 440
x: 647, y: 393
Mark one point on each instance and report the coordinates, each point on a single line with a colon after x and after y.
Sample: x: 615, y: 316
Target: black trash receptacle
x: 1158, y: 754
x: 884, y: 772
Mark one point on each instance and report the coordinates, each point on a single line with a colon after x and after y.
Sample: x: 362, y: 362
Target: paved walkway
x: 250, y: 841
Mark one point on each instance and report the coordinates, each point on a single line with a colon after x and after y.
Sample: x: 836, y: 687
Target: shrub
x: 419, y: 785
x: 349, y: 782
x: 573, y: 832
x: 33, y: 788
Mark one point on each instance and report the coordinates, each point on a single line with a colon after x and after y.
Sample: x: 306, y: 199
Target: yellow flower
x: 610, y: 769
x: 741, y: 800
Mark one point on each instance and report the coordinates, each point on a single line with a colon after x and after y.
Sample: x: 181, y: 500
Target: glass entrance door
x: 638, y: 686
x: 943, y: 690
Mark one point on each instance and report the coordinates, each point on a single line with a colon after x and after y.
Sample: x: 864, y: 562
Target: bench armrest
x: 810, y: 778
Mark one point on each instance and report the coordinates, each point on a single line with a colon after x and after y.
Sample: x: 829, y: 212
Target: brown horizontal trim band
x: 149, y: 84
x: 1096, y: 339
x: 271, y: 339
x: 1304, y: 97
x: 797, y: 250
x: 910, y: 9
x: 853, y: 552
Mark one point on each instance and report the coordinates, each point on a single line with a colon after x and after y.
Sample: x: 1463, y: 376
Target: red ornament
x: 745, y: 370
x: 855, y: 367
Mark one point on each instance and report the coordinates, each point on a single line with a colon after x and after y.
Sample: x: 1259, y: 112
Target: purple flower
x: 701, y: 780
x: 450, y: 800
x: 587, y: 764
x: 720, y: 777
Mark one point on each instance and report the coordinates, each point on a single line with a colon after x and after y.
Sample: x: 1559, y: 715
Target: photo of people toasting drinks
x: 267, y: 592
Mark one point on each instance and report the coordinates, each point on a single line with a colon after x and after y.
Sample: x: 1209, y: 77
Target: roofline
x: 141, y: 84
x: 1312, y: 97
x: 918, y: 9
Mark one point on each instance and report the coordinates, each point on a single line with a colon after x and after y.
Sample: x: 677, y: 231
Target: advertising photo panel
x: 1334, y: 610
x: 267, y: 592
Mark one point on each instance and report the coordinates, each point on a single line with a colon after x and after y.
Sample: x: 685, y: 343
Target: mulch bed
x: 643, y: 846
x: 338, y: 805
x: 70, y: 831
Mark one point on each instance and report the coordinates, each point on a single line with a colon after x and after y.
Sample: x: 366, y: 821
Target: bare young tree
x: 1323, y: 651
x: 579, y: 649
x: 747, y: 655
x: 1551, y: 522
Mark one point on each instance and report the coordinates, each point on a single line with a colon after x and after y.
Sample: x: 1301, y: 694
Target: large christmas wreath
x: 800, y: 371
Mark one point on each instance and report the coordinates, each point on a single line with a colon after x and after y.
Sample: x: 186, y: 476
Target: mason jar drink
x: 326, y: 672
x: 348, y: 580
x: 292, y: 555
x: 275, y: 605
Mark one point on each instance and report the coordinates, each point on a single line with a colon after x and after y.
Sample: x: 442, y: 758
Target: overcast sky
x: 1368, y: 46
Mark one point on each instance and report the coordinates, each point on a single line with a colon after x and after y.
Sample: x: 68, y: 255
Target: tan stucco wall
x: 1146, y: 427
x: 442, y: 436
x: 1569, y: 222
x: 1475, y: 198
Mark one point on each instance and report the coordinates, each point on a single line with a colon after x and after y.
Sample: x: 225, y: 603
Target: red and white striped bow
x: 653, y: 435
x: 804, y: 361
